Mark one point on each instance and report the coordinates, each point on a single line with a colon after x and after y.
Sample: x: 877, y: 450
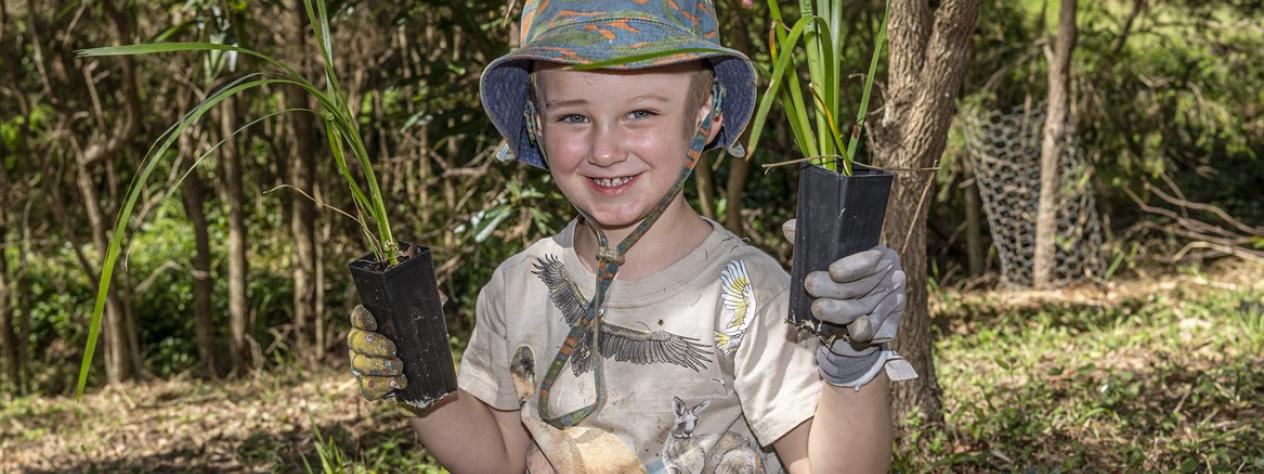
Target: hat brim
x: 504, y: 85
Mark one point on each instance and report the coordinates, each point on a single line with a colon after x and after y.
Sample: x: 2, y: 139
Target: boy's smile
x: 616, y: 141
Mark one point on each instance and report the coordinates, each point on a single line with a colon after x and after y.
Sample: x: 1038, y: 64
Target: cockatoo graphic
x: 623, y: 344
x: 739, y: 306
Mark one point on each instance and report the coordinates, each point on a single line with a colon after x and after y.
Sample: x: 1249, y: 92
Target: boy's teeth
x: 612, y: 182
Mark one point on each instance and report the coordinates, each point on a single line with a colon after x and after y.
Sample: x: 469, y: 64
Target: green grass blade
x: 638, y: 58
x: 318, y: 17
x: 157, y: 48
x: 149, y: 164
x: 378, y: 206
x: 792, y: 101
x: 779, y: 73
x: 829, y: 119
x: 863, y: 111
x: 802, y: 137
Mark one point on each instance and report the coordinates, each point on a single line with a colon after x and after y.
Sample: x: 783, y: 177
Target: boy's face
x: 616, y: 140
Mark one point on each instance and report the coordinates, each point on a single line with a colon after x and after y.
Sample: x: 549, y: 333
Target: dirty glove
x: 865, y: 293
x: 373, y: 359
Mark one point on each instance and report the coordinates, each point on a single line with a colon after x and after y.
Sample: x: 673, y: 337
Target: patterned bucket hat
x: 588, y: 31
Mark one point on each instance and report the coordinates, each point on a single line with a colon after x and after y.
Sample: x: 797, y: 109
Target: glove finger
x: 839, y: 311
x: 860, y: 330
x: 888, y: 327
x: 864, y: 328
x: 376, y: 366
x: 361, y: 318
x: 822, y: 285
x: 860, y: 265
x: 370, y: 344
x: 787, y: 229
x: 377, y: 388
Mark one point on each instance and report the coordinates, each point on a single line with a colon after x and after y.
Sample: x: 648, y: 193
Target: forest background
x: 237, y: 280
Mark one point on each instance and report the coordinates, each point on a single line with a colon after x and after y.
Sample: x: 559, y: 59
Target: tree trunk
x: 303, y: 210
x: 8, y: 336
x: 238, y: 312
x: 706, y: 187
x: 928, y: 57
x: 738, y: 167
x: 193, y: 191
x: 974, y: 221
x: 1053, y: 146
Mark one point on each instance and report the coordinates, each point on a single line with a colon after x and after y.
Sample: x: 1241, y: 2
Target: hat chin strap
x: 609, y: 260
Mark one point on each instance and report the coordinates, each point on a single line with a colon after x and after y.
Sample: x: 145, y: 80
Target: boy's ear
x: 717, y: 121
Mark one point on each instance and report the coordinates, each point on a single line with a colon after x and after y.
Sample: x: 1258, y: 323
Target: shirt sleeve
x: 484, y: 369
x: 775, y: 373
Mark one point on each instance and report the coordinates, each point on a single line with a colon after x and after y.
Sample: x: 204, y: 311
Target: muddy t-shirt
x: 701, y: 371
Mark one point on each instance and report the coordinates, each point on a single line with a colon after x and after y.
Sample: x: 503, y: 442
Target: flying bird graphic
x: 623, y: 344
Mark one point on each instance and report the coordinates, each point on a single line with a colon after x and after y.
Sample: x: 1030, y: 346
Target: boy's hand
x: 866, y: 293
x: 373, y: 359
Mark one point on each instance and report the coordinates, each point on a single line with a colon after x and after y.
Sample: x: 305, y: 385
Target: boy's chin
x: 616, y: 219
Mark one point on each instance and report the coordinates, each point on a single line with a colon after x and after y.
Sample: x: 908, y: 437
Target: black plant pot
x: 837, y: 216
x: 405, y: 301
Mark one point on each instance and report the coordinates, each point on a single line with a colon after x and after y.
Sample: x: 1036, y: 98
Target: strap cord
x: 609, y: 260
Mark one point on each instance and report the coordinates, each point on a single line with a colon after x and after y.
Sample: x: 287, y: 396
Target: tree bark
x: 193, y: 193
x: 303, y: 210
x: 928, y: 57
x: 706, y: 187
x: 1054, y: 144
x: 238, y: 312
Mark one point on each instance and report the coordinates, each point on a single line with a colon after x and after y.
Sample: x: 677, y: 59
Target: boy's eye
x: 640, y: 114
x: 572, y: 118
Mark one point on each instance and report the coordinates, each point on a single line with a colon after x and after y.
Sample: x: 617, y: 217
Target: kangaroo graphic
x: 709, y: 453
x: 575, y: 449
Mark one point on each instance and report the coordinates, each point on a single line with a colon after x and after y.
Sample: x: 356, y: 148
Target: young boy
x: 643, y: 337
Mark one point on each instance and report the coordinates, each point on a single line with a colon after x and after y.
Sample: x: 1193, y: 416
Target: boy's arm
x: 855, y: 433
x: 466, y: 435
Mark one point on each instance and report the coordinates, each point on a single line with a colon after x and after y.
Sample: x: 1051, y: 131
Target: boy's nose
x: 605, y: 149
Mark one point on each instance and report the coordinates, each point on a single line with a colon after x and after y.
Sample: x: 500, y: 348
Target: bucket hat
x: 587, y: 32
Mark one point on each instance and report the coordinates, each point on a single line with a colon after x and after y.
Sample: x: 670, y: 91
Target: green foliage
x: 822, y: 35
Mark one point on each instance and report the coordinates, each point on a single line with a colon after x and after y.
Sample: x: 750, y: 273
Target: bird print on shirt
x: 623, y: 344
x: 739, y: 305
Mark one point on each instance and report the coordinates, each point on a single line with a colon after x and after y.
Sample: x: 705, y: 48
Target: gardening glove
x: 865, y: 293
x: 374, y: 363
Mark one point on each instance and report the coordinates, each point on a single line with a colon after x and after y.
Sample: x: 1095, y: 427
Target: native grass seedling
x: 815, y: 121
x: 341, y: 131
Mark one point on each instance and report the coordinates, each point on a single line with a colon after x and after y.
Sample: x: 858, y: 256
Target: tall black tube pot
x: 837, y: 216
x: 405, y: 301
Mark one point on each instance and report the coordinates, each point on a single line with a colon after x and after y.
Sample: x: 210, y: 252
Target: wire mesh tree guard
x: 1004, y: 148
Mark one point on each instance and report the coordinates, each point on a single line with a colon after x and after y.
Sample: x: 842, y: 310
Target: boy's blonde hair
x: 701, y: 81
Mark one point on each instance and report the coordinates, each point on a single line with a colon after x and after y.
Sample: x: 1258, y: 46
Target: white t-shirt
x: 702, y: 371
